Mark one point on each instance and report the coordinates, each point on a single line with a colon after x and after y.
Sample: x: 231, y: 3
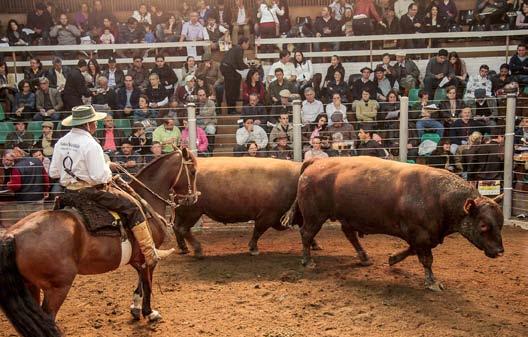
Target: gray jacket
x: 65, y: 35
x: 55, y: 98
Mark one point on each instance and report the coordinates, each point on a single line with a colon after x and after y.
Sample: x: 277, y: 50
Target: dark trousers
x: 431, y: 84
x: 232, y: 85
x: 117, y: 201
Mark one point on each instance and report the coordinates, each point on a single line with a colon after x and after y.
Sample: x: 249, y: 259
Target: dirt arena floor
x: 230, y: 293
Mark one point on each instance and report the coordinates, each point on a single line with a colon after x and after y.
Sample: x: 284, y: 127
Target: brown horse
x: 52, y: 247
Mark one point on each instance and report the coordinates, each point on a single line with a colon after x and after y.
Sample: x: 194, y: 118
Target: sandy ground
x: 230, y: 293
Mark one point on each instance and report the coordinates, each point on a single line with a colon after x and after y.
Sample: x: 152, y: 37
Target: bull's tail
x: 293, y: 214
x: 15, y: 300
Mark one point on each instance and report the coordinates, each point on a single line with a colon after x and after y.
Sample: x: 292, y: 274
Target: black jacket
x: 332, y: 24
x: 234, y: 58
x: 122, y: 98
x: 358, y: 86
x: 108, y: 97
x: 119, y: 77
x: 166, y: 74
x: 407, y: 26
x: 487, y: 162
x: 74, y: 89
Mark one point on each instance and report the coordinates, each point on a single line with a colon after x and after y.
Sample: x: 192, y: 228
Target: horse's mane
x: 155, y: 163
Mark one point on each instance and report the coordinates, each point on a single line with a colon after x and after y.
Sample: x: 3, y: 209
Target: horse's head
x: 184, y: 186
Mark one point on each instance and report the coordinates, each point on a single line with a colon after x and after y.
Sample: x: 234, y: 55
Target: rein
x: 170, y: 202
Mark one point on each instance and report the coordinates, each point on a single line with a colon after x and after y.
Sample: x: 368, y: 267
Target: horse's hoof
x: 316, y: 246
x: 184, y: 251
x: 435, y: 286
x: 254, y: 252
x: 198, y: 255
x: 154, y: 316
x: 309, y: 264
x: 393, y: 260
x: 136, y: 313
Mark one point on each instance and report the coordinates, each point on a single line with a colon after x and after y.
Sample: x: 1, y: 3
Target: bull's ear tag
x: 468, y: 205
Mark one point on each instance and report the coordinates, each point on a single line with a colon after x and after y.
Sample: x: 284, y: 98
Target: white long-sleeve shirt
x: 477, y: 82
x: 259, y: 136
x: 269, y: 14
x: 87, y: 156
x: 401, y: 7
x: 304, y: 71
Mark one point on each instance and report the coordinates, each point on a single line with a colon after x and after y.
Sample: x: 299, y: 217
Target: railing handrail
x: 367, y: 38
x: 93, y: 47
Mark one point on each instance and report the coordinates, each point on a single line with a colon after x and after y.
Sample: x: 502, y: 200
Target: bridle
x: 175, y: 200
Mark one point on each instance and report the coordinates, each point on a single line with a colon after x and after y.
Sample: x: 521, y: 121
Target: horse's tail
x: 15, y: 300
x: 293, y: 215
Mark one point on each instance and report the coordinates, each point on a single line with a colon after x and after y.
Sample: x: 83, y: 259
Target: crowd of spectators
x: 341, y: 116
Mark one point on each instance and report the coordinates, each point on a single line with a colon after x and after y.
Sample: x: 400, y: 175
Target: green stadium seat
x: 5, y: 129
x: 35, y: 128
x: 2, y: 113
x: 525, y: 90
x: 440, y: 94
x: 413, y: 95
x: 123, y: 125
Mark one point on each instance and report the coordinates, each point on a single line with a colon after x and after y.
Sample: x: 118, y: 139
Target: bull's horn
x: 498, y: 199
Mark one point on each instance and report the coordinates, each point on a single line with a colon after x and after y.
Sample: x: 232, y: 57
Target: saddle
x: 98, y: 220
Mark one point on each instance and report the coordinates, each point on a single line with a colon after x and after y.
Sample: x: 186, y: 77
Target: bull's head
x: 482, y: 225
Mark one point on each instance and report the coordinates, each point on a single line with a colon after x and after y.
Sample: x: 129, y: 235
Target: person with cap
x: 75, y: 87
x: 139, y: 140
x: 29, y: 180
x: 247, y: 134
x: 20, y: 138
x: 283, y: 106
x: 185, y: 92
x: 429, y: 120
x: 79, y: 162
x: 439, y: 73
x: 115, y: 76
x: 233, y: 60
x: 166, y: 74
x: 167, y: 134
x: 40, y: 21
x: 405, y: 71
x: 341, y: 126
x: 364, y: 83
x: 281, y: 149
x: 139, y: 73
x: 384, y: 85
x: 57, y: 74
x: 48, y: 139
x: 255, y: 110
x: 210, y: 69
x: 49, y: 102
x: 280, y: 83
x: 282, y: 126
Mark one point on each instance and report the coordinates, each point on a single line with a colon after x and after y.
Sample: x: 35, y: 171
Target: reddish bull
x: 416, y: 203
x: 238, y: 190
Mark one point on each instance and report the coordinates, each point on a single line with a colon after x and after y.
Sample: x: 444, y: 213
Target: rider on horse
x: 79, y: 162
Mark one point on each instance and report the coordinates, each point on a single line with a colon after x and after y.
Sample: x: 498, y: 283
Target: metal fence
x: 400, y: 138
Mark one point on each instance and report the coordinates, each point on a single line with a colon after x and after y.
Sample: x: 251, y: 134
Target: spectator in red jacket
x: 29, y: 180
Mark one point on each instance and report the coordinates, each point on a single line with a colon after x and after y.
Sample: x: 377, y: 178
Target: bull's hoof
x: 316, y: 246
x: 393, y: 259
x: 183, y: 251
x: 154, y: 316
x: 136, y: 313
x: 365, y: 262
x: 199, y: 255
x: 254, y: 252
x: 435, y: 286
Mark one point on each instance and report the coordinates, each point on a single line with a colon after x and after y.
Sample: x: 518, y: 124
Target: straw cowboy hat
x: 83, y: 114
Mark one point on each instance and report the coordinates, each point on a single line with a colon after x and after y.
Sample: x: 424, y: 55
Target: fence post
x: 297, y: 135
x: 191, y: 126
x: 508, y: 154
x: 404, y: 127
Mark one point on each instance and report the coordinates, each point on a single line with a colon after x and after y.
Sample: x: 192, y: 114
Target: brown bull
x: 416, y: 203
x: 239, y: 190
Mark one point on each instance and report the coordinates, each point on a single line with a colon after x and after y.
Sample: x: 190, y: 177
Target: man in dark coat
x: 75, y: 87
x: 233, y: 61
